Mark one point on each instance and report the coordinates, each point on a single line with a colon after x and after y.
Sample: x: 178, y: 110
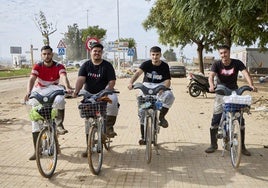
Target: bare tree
x: 44, y: 27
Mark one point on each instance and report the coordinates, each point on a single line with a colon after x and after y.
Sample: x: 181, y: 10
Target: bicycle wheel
x: 155, y: 132
x: 46, y: 153
x: 95, y: 150
x: 148, y: 152
x: 235, y: 141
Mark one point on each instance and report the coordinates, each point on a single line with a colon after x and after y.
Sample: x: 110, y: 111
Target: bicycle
x: 230, y: 124
x: 93, y: 109
x: 47, y: 146
x: 151, y: 105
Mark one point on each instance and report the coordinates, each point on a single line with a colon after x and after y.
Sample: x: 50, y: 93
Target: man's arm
x: 66, y: 81
x: 211, y: 81
x: 134, y: 78
x: 167, y: 83
x: 79, y: 84
x: 30, y: 85
x: 111, y: 85
x: 249, y: 79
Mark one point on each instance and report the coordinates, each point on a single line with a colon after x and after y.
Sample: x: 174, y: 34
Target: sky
x: 18, y: 29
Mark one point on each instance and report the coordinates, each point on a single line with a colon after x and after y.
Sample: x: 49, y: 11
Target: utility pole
x: 31, y: 53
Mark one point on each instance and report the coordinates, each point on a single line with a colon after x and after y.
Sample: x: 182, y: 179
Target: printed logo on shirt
x: 154, y: 76
x: 94, y: 75
x: 227, y: 72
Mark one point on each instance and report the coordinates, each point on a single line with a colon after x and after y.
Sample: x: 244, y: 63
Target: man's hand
x: 254, y: 89
x: 130, y: 86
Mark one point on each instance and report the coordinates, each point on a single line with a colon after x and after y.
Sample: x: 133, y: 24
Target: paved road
x: 182, y: 161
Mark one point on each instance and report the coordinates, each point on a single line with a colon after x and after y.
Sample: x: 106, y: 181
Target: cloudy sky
x: 17, y: 26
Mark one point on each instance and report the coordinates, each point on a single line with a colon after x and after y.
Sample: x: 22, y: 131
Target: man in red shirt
x: 48, y: 74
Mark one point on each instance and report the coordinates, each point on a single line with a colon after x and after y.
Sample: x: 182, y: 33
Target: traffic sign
x: 131, y: 52
x: 61, y: 51
x: 61, y: 44
x: 91, y: 40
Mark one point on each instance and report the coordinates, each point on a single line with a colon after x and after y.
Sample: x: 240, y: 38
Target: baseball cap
x: 96, y: 45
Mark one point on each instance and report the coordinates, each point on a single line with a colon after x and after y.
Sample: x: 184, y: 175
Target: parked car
x: 78, y: 64
x: 177, y: 69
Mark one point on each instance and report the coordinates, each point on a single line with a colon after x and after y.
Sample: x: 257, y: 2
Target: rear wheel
x: 194, y: 90
x: 46, y: 153
x: 148, y: 125
x: 235, y: 141
x: 95, y: 151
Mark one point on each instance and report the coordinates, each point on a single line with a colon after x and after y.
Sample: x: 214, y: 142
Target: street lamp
x: 87, y: 28
x: 118, y: 36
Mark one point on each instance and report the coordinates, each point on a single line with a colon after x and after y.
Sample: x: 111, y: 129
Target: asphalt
x: 181, y: 162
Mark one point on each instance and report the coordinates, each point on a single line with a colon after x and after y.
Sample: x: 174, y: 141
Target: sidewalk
x: 182, y: 161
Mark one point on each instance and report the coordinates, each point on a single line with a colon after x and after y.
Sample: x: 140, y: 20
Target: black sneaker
x: 163, y: 123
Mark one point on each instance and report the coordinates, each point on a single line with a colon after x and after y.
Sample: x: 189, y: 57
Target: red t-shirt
x: 48, y: 75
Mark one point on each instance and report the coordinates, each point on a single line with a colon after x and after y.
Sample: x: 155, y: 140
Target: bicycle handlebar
x: 223, y: 90
x: 149, y: 91
x: 48, y: 98
x: 96, y: 96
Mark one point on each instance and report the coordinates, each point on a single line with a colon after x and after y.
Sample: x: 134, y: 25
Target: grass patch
x: 15, y: 72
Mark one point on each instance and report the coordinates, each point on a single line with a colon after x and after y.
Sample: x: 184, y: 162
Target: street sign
x: 131, y: 52
x: 91, y: 40
x: 61, y: 51
x: 61, y: 44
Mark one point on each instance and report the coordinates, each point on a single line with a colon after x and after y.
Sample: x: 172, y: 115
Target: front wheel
x: 194, y: 90
x: 46, y: 153
x: 235, y: 141
x: 148, y: 127
x: 95, y: 150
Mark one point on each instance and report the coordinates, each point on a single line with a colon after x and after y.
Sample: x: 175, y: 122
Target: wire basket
x: 232, y: 107
x: 88, y: 110
x: 146, y: 101
x: 42, y: 112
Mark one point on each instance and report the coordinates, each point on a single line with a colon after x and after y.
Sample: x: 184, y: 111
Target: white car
x: 80, y: 63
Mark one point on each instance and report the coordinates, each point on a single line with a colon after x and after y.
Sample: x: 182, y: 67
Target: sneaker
x: 111, y: 134
x: 61, y: 131
x: 265, y: 146
x: 142, y: 142
x: 163, y: 123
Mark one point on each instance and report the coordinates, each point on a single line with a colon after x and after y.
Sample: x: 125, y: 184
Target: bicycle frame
x: 230, y: 124
x: 47, y: 147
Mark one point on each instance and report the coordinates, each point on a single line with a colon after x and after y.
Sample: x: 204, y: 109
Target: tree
x: 170, y: 55
x: 44, y: 27
x: 207, y: 23
x: 75, y: 40
x: 178, y: 26
x: 92, y: 31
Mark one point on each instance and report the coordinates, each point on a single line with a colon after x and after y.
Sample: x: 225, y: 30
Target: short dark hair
x: 224, y: 47
x: 46, y: 48
x: 155, y: 49
x: 96, y: 45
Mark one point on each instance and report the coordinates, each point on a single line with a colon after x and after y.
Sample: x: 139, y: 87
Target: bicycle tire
x: 155, y: 123
x: 46, y: 153
x: 235, y: 141
x: 194, y: 90
x: 148, y: 151
x: 95, y: 150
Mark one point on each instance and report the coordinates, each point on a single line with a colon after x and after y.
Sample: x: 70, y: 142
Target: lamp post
x: 87, y: 28
x: 118, y: 36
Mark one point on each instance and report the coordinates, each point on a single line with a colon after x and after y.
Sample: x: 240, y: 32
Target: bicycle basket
x: 146, y: 101
x: 92, y: 109
x: 232, y: 107
x: 41, y: 112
